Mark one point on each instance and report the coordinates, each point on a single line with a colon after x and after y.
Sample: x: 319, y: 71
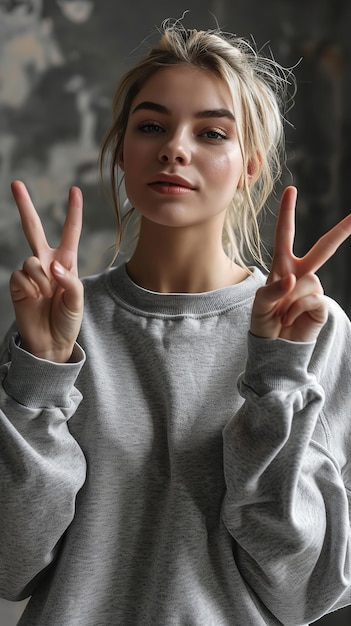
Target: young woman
x: 179, y: 452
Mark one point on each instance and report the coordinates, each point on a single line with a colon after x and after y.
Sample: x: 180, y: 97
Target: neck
x: 177, y: 260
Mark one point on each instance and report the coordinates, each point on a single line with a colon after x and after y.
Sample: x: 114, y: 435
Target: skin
x: 204, y: 150
x: 180, y: 247
x: 291, y: 305
x: 47, y: 294
x: 181, y: 123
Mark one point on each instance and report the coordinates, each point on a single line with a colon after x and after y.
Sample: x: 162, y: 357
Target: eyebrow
x: 160, y: 108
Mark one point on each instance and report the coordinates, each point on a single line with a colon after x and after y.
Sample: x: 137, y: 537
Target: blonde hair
x: 258, y: 86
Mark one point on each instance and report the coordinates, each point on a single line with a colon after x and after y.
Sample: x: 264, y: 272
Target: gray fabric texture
x: 181, y: 472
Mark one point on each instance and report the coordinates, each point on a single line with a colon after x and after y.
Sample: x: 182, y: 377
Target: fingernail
x: 58, y: 268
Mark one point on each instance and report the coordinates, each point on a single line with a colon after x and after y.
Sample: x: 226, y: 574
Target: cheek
x: 226, y: 169
x: 128, y: 152
x: 133, y: 167
x: 136, y: 157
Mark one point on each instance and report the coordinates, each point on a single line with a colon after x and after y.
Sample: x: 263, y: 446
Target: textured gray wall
x: 59, y: 64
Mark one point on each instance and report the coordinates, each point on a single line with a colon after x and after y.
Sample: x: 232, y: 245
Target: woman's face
x: 181, y: 157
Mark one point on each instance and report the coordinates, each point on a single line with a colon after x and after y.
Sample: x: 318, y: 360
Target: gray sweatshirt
x: 180, y: 472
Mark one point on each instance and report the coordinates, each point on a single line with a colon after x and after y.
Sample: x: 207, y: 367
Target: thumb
x: 272, y: 292
x: 71, y: 285
x: 265, y: 318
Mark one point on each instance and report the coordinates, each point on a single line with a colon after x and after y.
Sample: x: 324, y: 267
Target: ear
x: 254, y: 167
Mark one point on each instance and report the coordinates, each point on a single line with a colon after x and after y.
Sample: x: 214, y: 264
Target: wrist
x: 35, y: 382
x: 53, y: 355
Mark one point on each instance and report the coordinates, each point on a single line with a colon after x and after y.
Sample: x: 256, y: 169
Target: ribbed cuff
x: 277, y: 364
x: 35, y: 382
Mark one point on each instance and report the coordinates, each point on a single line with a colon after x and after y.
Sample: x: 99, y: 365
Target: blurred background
x: 60, y: 61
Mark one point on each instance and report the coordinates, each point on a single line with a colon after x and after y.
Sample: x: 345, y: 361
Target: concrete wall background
x: 60, y: 61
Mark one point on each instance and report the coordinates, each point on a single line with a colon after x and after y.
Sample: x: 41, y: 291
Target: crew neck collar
x: 144, y: 301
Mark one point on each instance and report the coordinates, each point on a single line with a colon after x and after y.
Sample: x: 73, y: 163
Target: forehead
x: 185, y: 86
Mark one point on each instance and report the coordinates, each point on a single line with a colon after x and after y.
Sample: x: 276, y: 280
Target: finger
x: 73, y: 223
x: 306, y: 285
x: 21, y: 287
x: 72, y: 286
x: 313, y: 304
x: 285, y: 228
x: 31, y: 224
x: 325, y: 247
x: 34, y: 270
x: 267, y: 297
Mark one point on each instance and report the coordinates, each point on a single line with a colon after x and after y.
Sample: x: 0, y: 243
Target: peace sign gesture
x: 291, y: 305
x: 46, y: 293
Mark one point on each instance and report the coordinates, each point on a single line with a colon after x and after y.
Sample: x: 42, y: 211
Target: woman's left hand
x: 291, y: 305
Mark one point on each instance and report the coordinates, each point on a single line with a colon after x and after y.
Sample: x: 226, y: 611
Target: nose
x: 176, y: 149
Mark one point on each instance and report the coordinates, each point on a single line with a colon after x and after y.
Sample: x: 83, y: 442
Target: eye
x: 150, y: 128
x: 215, y: 134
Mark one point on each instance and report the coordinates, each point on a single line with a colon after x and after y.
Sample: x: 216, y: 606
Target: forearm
x: 286, y: 504
x: 41, y: 465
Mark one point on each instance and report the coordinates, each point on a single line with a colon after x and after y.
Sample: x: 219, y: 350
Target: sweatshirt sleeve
x: 286, y: 504
x: 41, y: 465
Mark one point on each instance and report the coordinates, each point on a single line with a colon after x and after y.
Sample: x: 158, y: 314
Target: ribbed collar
x: 146, y: 302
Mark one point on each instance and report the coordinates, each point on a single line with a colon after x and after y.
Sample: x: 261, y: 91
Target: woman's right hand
x: 47, y: 294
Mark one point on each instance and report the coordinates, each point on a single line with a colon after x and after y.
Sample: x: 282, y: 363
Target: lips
x: 172, y: 181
